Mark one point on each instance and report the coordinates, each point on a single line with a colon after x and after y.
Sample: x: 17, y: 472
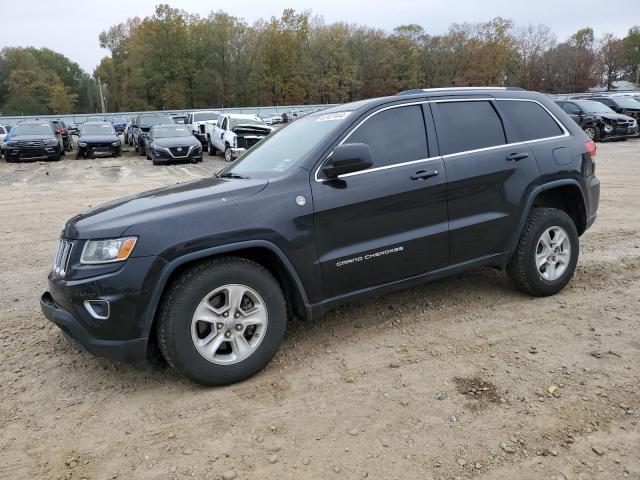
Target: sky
x: 72, y: 28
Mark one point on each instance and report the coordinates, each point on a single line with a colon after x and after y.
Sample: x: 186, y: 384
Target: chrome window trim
x: 448, y: 155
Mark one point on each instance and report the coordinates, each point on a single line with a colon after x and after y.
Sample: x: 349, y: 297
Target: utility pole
x: 637, y: 67
x: 101, y: 96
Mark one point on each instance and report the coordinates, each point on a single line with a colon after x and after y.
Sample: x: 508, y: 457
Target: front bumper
x: 236, y: 152
x: 122, y: 334
x: 129, y: 351
x: 165, y: 156
x: 617, y: 133
x: 97, y: 150
x: 45, y: 153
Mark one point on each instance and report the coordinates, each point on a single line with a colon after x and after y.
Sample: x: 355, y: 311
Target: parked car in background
x: 3, y: 133
x: 34, y: 140
x: 72, y: 129
x: 234, y: 133
x: 119, y: 124
x: 199, y: 122
x: 61, y: 128
x: 272, y: 119
x: 624, y: 105
x: 98, y: 138
x: 598, y: 121
x: 172, y: 143
x: 145, y: 122
x: 180, y: 118
x: 7, y: 137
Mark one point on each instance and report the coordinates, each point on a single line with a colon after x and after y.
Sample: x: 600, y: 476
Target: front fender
x: 161, y: 278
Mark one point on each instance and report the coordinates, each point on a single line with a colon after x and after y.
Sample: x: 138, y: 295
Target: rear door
x: 388, y: 222
x: 487, y: 177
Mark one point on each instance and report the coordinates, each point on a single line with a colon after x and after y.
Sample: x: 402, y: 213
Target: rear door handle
x: 424, y: 174
x: 517, y: 156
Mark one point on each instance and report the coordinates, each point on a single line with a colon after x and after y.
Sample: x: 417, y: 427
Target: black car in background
x: 61, y: 128
x: 34, y: 140
x: 144, y: 124
x: 599, y: 121
x: 98, y: 138
x: 172, y: 143
x: 624, y: 105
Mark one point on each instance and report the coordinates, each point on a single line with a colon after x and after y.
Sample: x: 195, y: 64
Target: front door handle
x: 517, y: 156
x: 424, y: 174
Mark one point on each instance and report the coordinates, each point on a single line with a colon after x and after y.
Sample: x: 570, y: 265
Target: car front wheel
x: 228, y: 156
x: 222, y: 321
x: 592, y: 132
x: 547, y: 253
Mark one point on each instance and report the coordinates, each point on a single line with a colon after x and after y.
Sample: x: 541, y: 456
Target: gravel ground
x: 462, y: 378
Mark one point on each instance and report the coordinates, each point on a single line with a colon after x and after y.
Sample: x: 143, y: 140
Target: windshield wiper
x: 231, y: 175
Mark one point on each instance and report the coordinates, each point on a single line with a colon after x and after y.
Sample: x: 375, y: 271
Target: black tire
x: 56, y: 158
x: 228, y: 157
x: 155, y: 162
x: 147, y: 154
x: 141, y: 150
x: 593, y: 132
x: 78, y: 156
x: 210, y: 148
x: 522, y: 267
x: 184, y: 295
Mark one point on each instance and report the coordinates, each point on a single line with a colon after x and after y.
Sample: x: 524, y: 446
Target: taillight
x: 591, y: 147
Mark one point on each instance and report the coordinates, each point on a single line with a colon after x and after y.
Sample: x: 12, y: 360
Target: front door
x: 389, y: 222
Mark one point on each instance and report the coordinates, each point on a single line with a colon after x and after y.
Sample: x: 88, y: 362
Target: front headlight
x: 607, y: 127
x: 106, y: 251
x: 82, y: 144
x: 52, y: 143
x: 116, y: 144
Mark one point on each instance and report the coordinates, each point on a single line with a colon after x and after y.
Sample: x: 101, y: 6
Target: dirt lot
x: 463, y: 378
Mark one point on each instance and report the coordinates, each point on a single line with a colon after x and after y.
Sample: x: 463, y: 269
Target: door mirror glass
x: 349, y: 158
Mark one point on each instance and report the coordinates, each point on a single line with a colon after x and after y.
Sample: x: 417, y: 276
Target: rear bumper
x: 593, y: 199
x: 129, y: 351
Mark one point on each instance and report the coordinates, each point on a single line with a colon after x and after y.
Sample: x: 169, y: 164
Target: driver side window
x: 394, y: 136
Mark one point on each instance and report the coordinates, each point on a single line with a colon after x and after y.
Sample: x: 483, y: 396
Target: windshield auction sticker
x: 327, y: 117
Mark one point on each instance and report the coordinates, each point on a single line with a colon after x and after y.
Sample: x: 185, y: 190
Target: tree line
x: 174, y: 59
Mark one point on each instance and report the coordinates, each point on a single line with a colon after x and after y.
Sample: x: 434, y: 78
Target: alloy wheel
x: 229, y: 324
x: 553, y: 253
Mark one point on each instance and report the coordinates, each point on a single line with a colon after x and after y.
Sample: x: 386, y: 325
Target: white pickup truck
x: 234, y: 133
x: 200, y: 122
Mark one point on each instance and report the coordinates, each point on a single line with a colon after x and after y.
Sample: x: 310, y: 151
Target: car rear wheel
x: 547, y: 253
x: 592, y: 132
x: 222, y: 321
x: 210, y: 148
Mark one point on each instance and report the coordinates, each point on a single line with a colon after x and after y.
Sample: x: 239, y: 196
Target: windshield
x: 591, y: 106
x: 33, y: 129
x: 286, y: 148
x: 234, y: 122
x: 155, y: 120
x: 169, y: 132
x: 626, y: 102
x: 201, y: 117
x: 100, y: 129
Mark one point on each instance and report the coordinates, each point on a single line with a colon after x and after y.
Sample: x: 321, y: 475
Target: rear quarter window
x: 530, y: 120
x: 469, y: 125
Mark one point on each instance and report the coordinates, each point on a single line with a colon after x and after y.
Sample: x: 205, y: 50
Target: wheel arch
x: 262, y: 252
x: 566, y: 195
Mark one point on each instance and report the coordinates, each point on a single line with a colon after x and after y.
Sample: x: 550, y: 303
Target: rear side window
x: 396, y: 135
x: 529, y: 120
x: 469, y: 125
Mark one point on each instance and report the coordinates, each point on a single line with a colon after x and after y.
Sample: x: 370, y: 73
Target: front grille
x: 624, y: 123
x: 31, y: 143
x: 61, y: 258
x: 178, y: 152
x: 247, y: 143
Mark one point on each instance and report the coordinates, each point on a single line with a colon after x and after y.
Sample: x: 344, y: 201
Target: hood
x: 98, y: 138
x: 176, y: 141
x: 255, y: 129
x: 613, y: 116
x: 31, y: 137
x: 112, y: 219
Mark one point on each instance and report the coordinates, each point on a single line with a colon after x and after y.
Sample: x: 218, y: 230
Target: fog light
x: 98, y: 309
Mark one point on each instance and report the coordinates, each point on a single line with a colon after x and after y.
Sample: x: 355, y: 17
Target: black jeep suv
x: 34, y: 140
x: 348, y: 202
x: 598, y: 121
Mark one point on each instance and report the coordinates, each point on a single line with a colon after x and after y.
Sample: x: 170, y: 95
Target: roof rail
x: 415, y: 91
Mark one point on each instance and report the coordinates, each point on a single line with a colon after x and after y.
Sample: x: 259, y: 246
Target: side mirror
x: 349, y: 158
